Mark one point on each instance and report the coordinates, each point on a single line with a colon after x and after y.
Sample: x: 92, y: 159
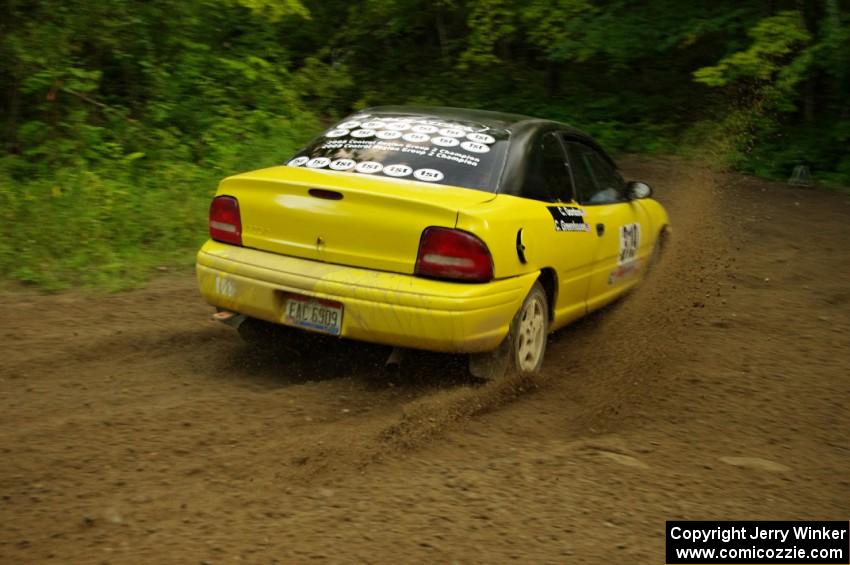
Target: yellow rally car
x: 432, y: 228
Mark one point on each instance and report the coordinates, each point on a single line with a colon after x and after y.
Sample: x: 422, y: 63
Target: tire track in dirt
x: 133, y: 429
x: 616, y: 359
x: 607, y: 365
x: 146, y: 363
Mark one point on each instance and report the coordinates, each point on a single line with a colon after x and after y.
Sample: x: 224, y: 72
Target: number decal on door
x: 629, y: 242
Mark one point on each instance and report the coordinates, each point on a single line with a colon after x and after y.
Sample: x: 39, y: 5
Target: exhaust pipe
x: 393, y: 362
x: 232, y: 319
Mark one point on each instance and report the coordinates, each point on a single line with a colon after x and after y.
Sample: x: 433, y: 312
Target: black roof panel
x: 484, y: 117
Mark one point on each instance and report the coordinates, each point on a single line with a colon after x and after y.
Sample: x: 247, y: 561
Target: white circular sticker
x: 397, y: 170
x: 363, y: 133
x: 318, y: 162
x: 452, y: 132
x: 416, y: 137
x: 343, y: 164
x: 388, y: 134
x: 298, y: 161
x: 374, y: 124
x: 428, y: 175
x: 349, y: 125
x: 368, y: 167
x: 445, y: 141
x: 425, y: 128
x: 481, y: 138
x: 399, y: 126
x: 337, y: 133
x: 475, y: 147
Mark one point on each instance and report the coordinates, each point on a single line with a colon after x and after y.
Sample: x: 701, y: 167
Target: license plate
x: 313, y: 314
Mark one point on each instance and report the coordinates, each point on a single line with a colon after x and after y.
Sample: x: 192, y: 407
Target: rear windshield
x: 411, y: 147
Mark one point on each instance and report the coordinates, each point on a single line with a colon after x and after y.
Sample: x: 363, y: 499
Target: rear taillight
x: 225, y: 223
x: 453, y: 254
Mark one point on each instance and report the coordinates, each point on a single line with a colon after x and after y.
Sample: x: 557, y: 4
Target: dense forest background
x: 118, y: 118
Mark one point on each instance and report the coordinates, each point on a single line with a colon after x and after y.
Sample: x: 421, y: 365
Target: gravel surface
x: 135, y: 430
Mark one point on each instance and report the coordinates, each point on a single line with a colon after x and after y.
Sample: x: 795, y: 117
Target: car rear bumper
x: 388, y: 308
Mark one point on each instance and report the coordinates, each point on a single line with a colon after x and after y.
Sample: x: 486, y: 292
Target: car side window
x: 547, y: 178
x: 597, y: 182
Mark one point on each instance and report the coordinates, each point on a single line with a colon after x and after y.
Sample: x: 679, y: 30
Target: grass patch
x: 109, y: 225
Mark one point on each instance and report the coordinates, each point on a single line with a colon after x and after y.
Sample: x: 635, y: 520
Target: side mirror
x: 636, y: 190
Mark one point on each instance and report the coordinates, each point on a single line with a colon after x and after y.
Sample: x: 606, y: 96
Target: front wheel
x: 523, y: 349
x: 657, y: 251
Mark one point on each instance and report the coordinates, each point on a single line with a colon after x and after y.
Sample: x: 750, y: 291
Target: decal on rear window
x: 411, y: 147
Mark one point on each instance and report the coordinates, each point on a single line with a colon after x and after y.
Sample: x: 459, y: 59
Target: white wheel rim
x: 532, y: 335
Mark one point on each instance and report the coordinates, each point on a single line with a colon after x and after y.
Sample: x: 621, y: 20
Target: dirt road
x: 135, y: 430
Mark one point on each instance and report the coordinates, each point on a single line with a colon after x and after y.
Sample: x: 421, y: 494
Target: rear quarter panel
x: 497, y: 223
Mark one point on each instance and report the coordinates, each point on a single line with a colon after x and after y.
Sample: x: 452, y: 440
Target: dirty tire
x: 529, y: 331
x: 523, y: 349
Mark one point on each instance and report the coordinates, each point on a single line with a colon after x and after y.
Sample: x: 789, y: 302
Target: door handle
x: 600, y: 229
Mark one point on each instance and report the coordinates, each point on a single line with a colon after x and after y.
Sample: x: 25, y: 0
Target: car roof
x: 524, y: 130
x: 505, y: 120
x: 485, y: 117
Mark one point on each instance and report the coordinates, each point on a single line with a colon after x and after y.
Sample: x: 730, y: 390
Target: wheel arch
x: 549, y: 280
x: 663, y: 235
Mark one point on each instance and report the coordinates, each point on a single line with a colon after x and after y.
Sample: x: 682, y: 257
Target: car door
x: 570, y: 244
x: 618, y: 224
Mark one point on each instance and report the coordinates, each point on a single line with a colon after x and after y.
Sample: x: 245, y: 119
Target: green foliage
x: 776, y: 40
x: 559, y: 29
x: 274, y: 10
x: 115, y: 146
x: 787, y: 67
x: 120, y: 117
x: 490, y: 22
x: 325, y: 87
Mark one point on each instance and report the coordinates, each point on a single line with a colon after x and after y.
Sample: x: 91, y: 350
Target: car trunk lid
x: 345, y: 218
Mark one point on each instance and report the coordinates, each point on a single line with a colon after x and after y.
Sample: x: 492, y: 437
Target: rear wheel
x: 530, y: 328
x: 523, y: 349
